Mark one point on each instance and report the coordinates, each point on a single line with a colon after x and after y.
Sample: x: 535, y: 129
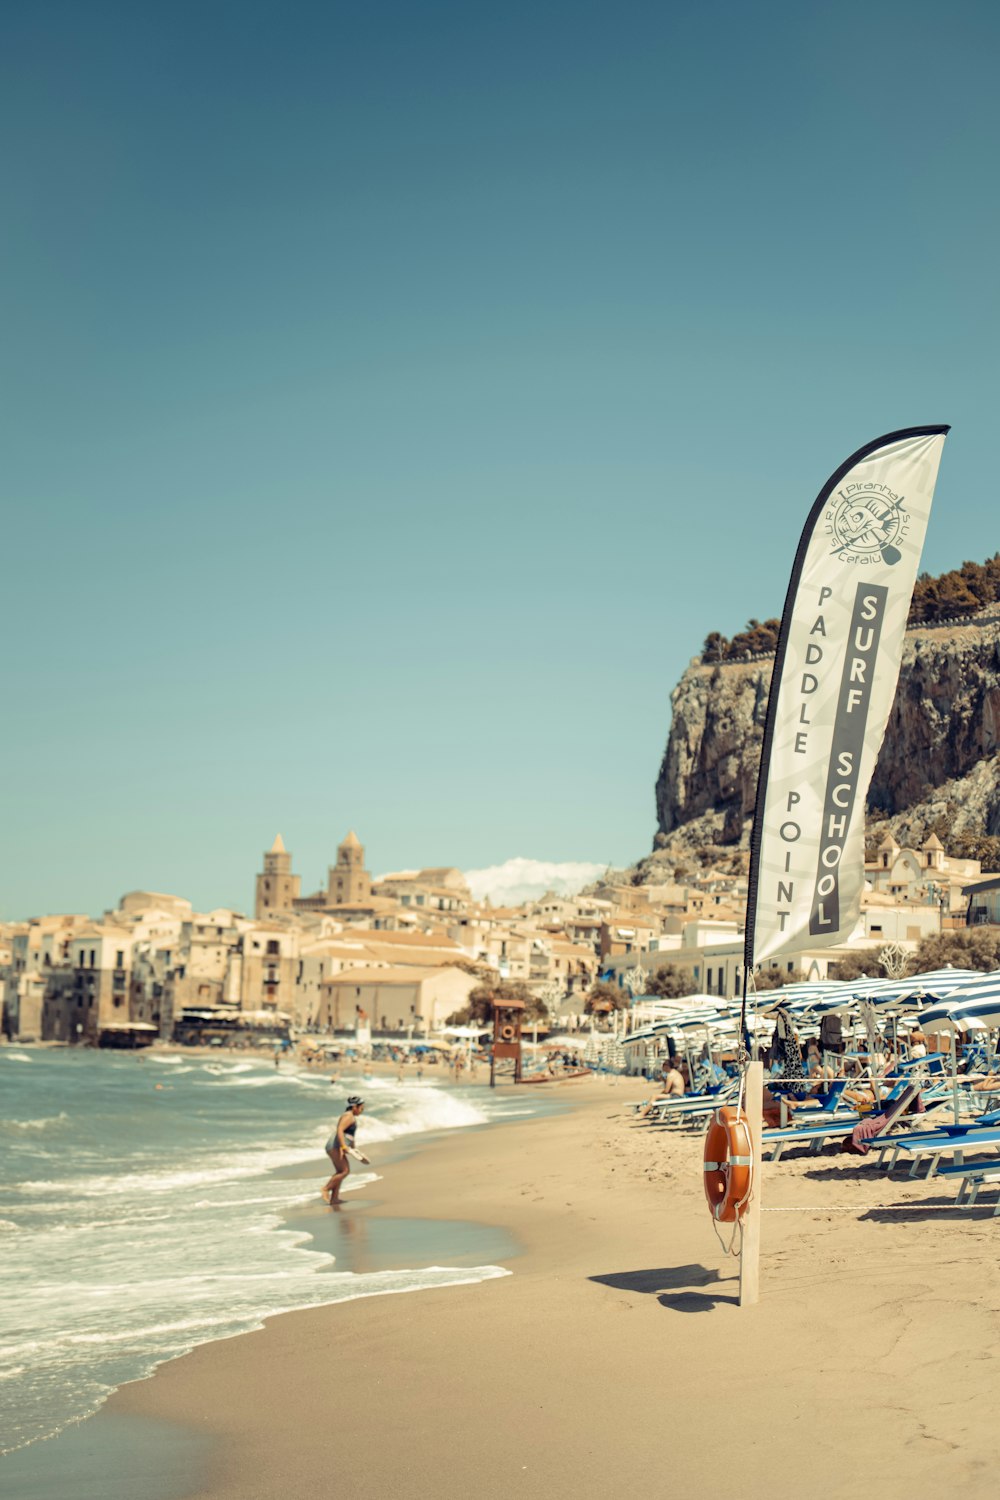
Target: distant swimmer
x: 340, y: 1148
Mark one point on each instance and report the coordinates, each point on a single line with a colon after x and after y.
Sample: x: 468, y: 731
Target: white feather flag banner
x: 834, y: 680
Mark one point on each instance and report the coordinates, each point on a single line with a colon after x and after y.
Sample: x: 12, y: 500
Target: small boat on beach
x: 556, y: 1077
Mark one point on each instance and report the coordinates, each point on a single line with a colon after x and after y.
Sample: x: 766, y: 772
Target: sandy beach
x: 614, y: 1358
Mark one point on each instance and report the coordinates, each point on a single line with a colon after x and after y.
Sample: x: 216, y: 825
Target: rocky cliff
x: 939, y: 759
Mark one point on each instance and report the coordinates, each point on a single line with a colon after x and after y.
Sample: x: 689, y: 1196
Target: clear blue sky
x: 395, y: 395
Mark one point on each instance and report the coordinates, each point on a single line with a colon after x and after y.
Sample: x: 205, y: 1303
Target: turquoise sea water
x: 151, y: 1202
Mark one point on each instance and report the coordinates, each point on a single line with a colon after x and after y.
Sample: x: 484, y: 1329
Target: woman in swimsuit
x: 336, y: 1148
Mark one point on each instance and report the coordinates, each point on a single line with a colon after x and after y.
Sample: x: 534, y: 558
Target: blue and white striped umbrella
x: 792, y: 994
x: 887, y: 995
x: 681, y: 1020
x: 826, y: 997
x: 895, y: 994
x: 798, y: 999
x: 976, y: 1003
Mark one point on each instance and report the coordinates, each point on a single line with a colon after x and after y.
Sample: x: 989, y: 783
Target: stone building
x: 925, y: 876
x: 442, y: 889
x: 396, y: 999
x: 92, y: 991
x: 205, y: 969
x: 39, y: 952
x: 277, y: 888
x: 348, y: 882
x: 349, y: 895
x: 269, y: 967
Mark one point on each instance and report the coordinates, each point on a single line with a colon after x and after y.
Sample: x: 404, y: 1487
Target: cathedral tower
x: 349, y: 883
x: 277, y: 887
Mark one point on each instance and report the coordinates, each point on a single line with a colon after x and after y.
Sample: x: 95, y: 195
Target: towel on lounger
x: 860, y: 1139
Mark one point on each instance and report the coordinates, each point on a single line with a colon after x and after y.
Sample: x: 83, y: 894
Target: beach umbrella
x: 974, y: 1006
x: 977, y: 1000
x: 792, y: 994
x: 936, y: 985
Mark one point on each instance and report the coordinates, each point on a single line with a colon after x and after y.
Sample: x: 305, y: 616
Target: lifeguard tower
x: 508, y: 1018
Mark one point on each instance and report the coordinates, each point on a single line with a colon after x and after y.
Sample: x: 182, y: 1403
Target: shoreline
x: 615, y: 1350
x: 413, y: 1246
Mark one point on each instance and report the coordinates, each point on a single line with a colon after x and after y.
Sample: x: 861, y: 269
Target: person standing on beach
x: 337, y: 1148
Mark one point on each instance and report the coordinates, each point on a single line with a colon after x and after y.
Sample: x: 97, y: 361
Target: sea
x: 153, y: 1201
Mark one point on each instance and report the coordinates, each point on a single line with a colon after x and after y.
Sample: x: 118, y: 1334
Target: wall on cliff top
x: 944, y: 725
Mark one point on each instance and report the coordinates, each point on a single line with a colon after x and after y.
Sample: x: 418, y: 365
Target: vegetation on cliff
x: 949, y: 596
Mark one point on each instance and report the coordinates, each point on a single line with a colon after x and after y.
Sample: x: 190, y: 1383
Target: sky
x: 395, y: 396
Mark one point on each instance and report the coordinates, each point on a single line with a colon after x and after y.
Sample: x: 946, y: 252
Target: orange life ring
x: 728, y: 1164
x: 507, y: 1033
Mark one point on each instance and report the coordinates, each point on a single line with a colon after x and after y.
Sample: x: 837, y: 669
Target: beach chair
x: 938, y: 1146
x: 920, y: 1143
x: 814, y: 1136
x: 932, y: 1066
x: 692, y: 1107
x: 870, y: 1130
x: 823, y: 1106
x: 859, y: 1133
x: 675, y: 1104
x: 971, y: 1177
x: 723, y: 1088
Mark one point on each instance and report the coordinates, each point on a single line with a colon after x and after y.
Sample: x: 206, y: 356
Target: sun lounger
x: 814, y: 1136
x: 676, y: 1107
x: 940, y: 1145
x: 920, y: 1143
x: 932, y: 1065
x: 971, y: 1177
x: 690, y: 1110
x: 717, y: 1092
x: 817, y: 1135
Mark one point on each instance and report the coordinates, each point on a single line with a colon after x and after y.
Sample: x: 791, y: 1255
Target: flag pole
x: 750, y: 1246
x: 752, y: 1093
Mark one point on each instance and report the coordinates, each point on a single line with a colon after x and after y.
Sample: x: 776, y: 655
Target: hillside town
x: 405, y: 951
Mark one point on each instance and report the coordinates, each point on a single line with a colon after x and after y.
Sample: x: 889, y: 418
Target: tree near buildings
x: 973, y: 948
x: 603, y: 998
x: 671, y: 983
x: 776, y: 979
x: 864, y: 964
x: 551, y: 994
x: 478, y: 1011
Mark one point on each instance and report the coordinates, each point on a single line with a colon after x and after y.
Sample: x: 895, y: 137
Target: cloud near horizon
x: 518, y: 879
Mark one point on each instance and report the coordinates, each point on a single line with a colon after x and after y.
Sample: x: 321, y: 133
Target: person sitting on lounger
x: 815, y: 1066
x: 773, y: 1103
x: 673, y: 1080
x: 673, y: 1085
x: 862, y: 1094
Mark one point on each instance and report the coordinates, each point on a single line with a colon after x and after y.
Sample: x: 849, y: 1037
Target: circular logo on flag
x: 866, y: 523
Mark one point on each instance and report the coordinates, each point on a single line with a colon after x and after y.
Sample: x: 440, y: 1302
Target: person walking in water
x: 337, y: 1147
